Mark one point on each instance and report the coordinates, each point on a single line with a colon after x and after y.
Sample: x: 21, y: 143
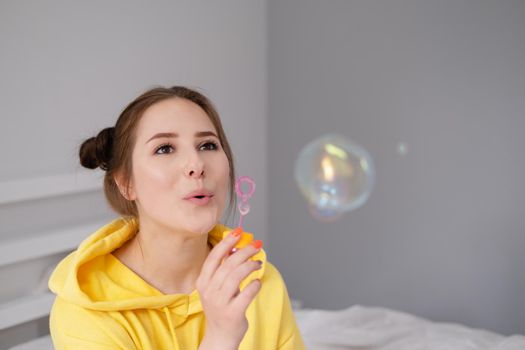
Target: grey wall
x: 443, y: 233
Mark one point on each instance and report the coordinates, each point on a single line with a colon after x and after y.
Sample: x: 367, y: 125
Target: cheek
x: 151, y: 180
x: 224, y: 170
x: 221, y: 173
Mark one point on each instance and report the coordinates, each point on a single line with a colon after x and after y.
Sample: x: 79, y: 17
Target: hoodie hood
x: 93, y: 278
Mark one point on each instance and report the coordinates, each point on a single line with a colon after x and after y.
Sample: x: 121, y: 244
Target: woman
x: 162, y: 276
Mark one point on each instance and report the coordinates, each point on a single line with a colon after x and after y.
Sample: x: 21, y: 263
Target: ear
x: 127, y: 192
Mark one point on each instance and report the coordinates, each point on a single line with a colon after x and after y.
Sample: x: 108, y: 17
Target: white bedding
x: 372, y: 328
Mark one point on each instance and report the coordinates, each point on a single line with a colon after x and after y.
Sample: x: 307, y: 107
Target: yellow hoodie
x: 102, y: 304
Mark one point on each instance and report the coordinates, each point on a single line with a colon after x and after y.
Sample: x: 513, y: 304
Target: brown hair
x: 111, y: 149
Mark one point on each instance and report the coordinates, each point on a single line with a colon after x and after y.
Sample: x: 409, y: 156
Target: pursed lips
x: 199, y: 197
x: 199, y: 194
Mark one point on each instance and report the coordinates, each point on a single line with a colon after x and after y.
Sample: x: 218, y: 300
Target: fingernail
x: 237, y: 232
x: 257, y: 244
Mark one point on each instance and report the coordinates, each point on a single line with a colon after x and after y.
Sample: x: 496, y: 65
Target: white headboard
x: 21, y: 248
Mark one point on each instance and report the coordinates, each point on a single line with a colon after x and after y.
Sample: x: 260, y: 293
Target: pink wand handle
x: 244, y: 207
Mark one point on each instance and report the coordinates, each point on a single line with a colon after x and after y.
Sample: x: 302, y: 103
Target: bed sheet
x: 373, y: 328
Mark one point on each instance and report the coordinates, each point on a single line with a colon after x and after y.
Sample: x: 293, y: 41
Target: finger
x: 216, y: 255
x: 243, y: 300
x: 230, y: 287
x: 232, y: 263
x: 244, y: 253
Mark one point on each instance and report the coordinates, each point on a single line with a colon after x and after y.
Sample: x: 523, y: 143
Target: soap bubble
x: 402, y: 148
x: 335, y: 175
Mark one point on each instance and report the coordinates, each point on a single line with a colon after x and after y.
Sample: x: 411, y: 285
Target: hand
x: 218, y: 286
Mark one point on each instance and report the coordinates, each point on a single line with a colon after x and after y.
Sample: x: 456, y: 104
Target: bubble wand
x: 244, y: 209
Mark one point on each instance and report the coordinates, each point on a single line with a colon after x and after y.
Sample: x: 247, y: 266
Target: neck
x: 169, y: 261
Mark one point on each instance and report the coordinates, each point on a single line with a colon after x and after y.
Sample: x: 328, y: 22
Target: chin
x: 201, y: 229
x: 201, y: 224
x: 198, y: 220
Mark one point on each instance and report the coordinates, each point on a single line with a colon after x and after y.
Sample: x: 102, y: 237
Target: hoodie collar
x: 94, y: 278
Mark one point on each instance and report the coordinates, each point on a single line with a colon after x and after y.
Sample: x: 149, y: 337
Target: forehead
x: 173, y: 115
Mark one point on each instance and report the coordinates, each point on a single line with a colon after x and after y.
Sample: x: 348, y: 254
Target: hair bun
x: 96, y: 151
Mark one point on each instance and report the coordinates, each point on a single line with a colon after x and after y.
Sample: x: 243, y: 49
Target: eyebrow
x: 171, y: 134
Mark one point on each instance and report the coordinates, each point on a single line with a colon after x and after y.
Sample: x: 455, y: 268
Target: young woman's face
x: 177, y: 152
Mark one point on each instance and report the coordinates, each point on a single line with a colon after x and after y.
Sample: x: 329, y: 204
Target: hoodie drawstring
x: 172, y: 329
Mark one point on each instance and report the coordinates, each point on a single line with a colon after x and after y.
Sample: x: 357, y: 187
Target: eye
x: 164, y: 147
x: 209, y: 146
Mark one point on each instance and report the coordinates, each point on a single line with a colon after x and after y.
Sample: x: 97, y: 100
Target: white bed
x: 372, y: 328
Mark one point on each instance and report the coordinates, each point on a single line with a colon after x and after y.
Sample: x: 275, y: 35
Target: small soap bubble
x: 402, y: 148
x: 335, y: 175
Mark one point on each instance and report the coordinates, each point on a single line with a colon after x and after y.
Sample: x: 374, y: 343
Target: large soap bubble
x: 335, y: 175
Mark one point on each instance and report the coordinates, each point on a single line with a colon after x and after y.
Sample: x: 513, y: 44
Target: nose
x: 194, y: 167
